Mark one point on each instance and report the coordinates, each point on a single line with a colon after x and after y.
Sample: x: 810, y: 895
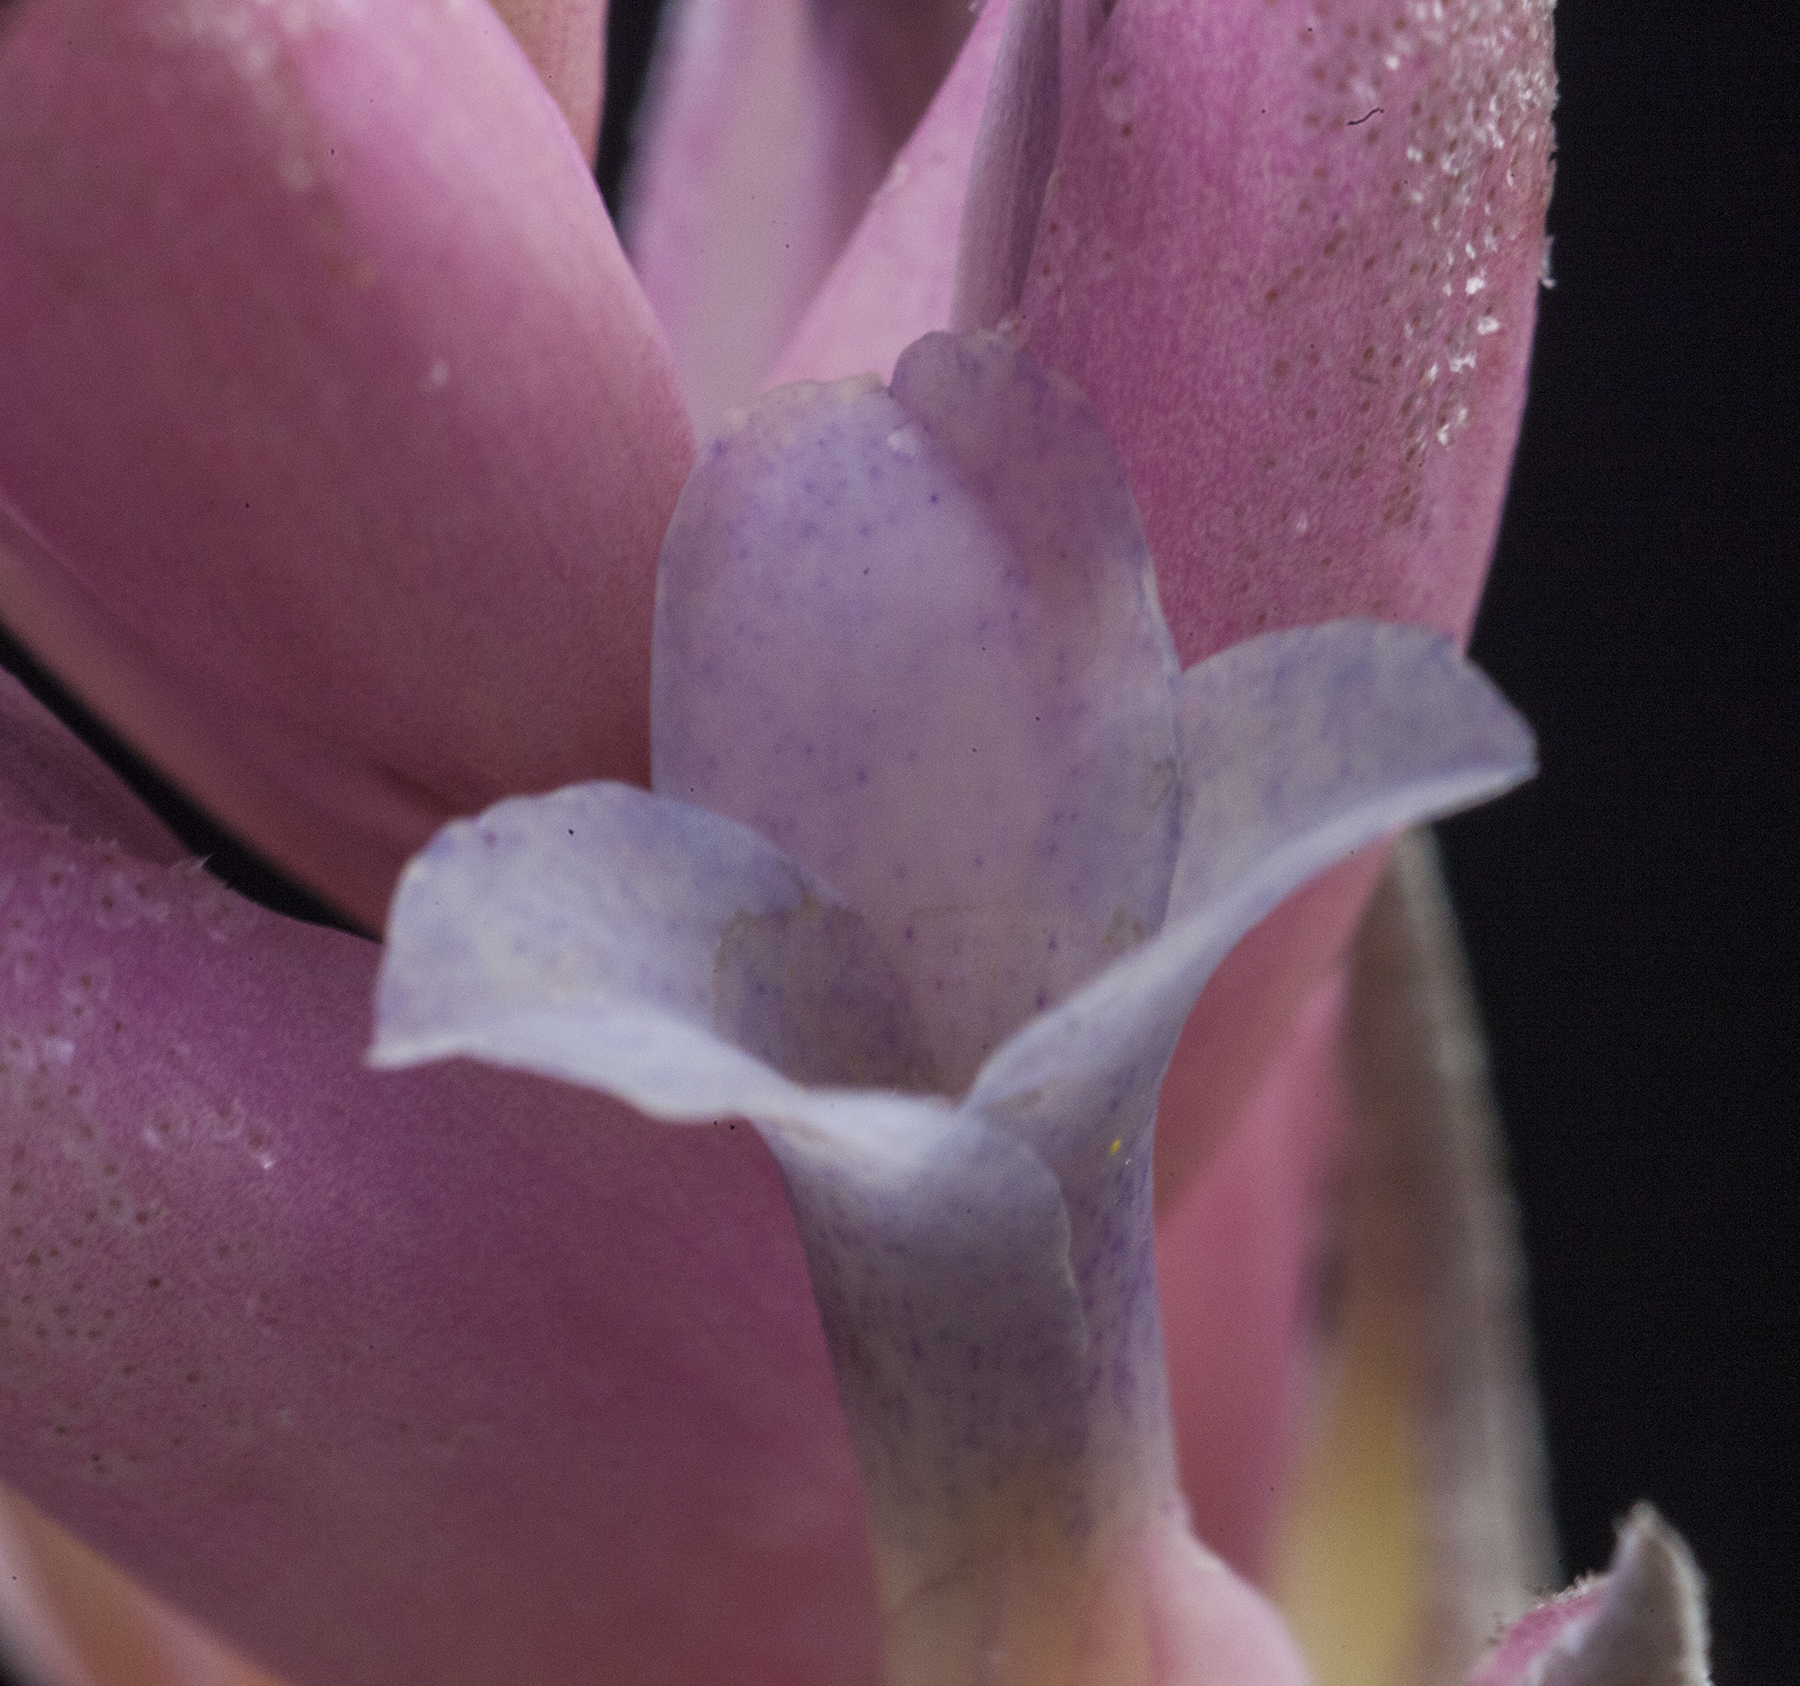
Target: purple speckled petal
x: 1298, y: 739
x: 617, y: 939
x: 645, y: 947
x: 1298, y: 748
x: 451, y: 1376
x: 939, y: 1252
x: 912, y: 639
x: 339, y: 433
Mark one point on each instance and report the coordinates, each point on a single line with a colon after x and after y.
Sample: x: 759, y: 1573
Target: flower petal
x: 638, y: 945
x: 1292, y: 257
x: 1262, y: 715
x: 449, y: 1376
x: 1408, y: 732
x: 771, y: 123
x: 344, y: 336
x: 997, y: 1350
x: 1287, y: 737
x: 896, y: 278
x: 913, y: 641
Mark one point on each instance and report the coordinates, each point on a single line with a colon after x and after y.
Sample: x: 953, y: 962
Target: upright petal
x: 339, y: 436
x: 449, y: 1377
x: 771, y: 122
x: 566, y: 43
x: 912, y: 639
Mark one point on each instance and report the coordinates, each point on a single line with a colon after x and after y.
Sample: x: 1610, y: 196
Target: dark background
x: 1631, y: 915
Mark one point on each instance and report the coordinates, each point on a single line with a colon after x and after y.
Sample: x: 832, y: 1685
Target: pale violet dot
x: 437, y: 377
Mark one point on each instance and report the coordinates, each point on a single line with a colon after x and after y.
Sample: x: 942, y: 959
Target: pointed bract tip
x: 1642, y: 1623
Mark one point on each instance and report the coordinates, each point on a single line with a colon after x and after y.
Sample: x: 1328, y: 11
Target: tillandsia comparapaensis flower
x: 337, y: 446
x: 999, y: 843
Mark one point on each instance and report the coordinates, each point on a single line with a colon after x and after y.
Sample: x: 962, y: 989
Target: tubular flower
x: 338, y: 444
x: 914, y: 636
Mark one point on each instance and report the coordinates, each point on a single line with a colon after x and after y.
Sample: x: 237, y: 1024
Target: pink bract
x: 342, y: 429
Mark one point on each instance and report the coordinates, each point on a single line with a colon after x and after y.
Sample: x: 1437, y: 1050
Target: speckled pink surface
x: 435, y: 1378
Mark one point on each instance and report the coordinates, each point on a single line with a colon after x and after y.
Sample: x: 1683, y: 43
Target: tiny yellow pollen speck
x: 1118, y: 1142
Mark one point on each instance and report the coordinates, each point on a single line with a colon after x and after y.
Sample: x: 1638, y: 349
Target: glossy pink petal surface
x: 341, y: 430
x: 770, y: 123
x: 431, y: 1378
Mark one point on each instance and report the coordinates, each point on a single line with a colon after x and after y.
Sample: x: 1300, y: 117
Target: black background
x: 1631, y: 916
